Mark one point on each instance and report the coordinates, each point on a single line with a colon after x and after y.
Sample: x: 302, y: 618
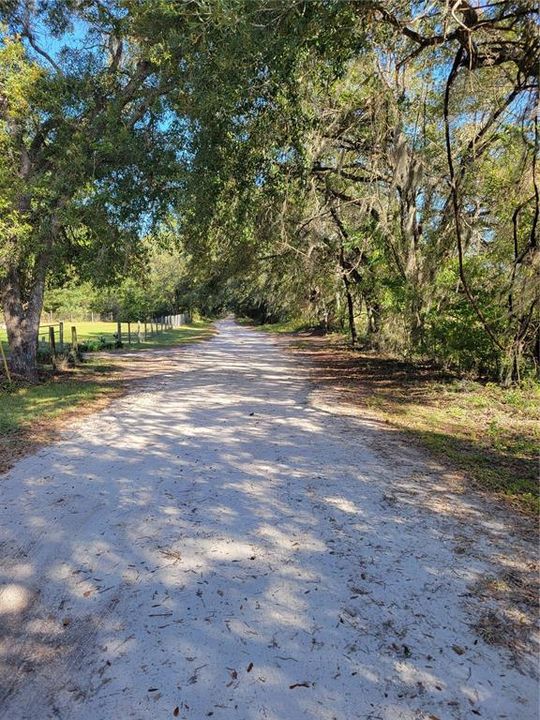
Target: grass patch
x: 25, y: 404
x: 197, y: 331
x: 490, y: 433
x: 32, y: 414
x: 95, y: 331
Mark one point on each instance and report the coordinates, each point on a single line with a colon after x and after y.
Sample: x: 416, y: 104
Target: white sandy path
x: 216, y: 538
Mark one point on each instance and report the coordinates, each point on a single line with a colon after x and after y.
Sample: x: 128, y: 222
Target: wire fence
x: 59, y: 342
x: 141, y: 331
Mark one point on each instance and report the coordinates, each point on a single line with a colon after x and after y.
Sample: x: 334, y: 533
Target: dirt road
x: 219, y: 543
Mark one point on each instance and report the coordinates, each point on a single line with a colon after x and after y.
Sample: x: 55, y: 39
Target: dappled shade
x: 221, y: 543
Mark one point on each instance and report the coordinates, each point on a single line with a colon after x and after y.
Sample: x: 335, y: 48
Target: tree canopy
x: 360, y: 163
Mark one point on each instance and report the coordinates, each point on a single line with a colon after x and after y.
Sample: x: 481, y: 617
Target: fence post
x: 129, y: 333
x: 74, y: 342
x: 52, y: 343
x: 118, y: 332
x: 145, y: 334
x: 61, y: 336
x: 139, y: 337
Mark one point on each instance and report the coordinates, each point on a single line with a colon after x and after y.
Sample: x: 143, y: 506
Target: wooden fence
x: 59, y: 339
x: 140, y: 331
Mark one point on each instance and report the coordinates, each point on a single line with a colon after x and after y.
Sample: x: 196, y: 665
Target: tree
x: 85, y: 159
x: 372, y: 148
x: 361, y: 163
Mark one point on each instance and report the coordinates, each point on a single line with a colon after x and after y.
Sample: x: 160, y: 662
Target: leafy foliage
x: 375, y: 165
x: 364, y: 164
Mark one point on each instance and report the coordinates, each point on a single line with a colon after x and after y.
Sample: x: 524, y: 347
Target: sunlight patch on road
x: 343, y: 504
x: 14, y: 598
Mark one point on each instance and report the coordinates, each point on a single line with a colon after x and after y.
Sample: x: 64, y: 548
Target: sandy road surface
x: 218, y: 544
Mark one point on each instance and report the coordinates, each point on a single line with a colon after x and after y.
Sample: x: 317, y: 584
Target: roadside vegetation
x: 490, y: 433
x: 24, y: 404
x: 32, y: 414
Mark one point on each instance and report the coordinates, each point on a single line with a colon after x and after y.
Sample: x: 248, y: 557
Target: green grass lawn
x: 198, y: 330
x: 85, y: 330
x: 92, y: 330
x: 26, y: 403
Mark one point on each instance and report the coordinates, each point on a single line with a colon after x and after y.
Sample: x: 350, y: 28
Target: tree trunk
x: 373, y: 316
x: 511, y: 366
x: 346, y: 270
x: 416, y: 328
x: 22, y: 322
x: 350, y: 308
x: 22, y: 297
x: 536, y: 354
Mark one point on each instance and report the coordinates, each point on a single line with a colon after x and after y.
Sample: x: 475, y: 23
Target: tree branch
x: 455, y: 201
